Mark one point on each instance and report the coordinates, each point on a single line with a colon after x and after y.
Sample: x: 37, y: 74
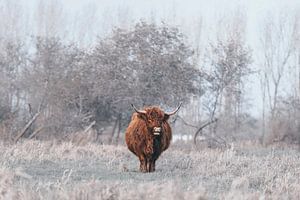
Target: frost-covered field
x: 49, y: 170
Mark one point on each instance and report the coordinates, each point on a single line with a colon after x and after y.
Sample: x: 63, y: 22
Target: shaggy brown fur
x: 141, y: 138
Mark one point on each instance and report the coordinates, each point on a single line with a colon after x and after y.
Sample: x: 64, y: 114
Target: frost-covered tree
x: 228, y: 64
x: 53, y: 84
x: 147, y: 65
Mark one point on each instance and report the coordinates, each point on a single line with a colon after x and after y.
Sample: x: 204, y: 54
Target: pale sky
x: 183, y: 13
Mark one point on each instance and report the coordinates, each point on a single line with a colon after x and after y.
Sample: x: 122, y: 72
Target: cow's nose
x: 156, y: 130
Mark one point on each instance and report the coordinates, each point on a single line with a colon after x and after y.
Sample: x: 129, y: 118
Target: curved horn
x: 173, y: 112
x: 138, y: 111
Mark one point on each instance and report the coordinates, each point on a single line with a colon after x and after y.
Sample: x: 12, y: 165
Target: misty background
x: 71, y: 68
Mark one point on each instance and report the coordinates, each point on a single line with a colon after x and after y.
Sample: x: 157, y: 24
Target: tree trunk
x: 119, y: 129
x: 26, y: 127
x: 113, y: 132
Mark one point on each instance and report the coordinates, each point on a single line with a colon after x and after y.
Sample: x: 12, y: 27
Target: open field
x: 51, y: 170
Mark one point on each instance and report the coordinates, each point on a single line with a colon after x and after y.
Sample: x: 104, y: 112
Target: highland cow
x: 148, y: 135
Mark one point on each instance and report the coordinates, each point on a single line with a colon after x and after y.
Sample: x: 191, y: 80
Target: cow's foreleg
x: 151, y: 165
x: 148, y: 165
x: 143, y: 164
x: 152, y: 169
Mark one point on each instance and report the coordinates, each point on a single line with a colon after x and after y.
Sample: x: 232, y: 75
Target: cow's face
x: 154, y: 119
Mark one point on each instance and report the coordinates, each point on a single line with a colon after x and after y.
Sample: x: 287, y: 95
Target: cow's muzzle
x: 156, y: 130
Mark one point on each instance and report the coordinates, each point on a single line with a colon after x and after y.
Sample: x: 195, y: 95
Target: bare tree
x: 52, y: 81
x: 12, y: 61
x: 279, y: 46
x: 229, y: 66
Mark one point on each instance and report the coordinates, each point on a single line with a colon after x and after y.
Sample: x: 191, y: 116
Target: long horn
x: 138, y: 111
x: 173, y: 112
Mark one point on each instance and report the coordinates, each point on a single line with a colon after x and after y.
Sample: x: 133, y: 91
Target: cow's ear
x: 142, y: 116
x: 166, y: 117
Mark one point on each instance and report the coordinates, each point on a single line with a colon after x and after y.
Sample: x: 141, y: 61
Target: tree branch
x: 202, y: 127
